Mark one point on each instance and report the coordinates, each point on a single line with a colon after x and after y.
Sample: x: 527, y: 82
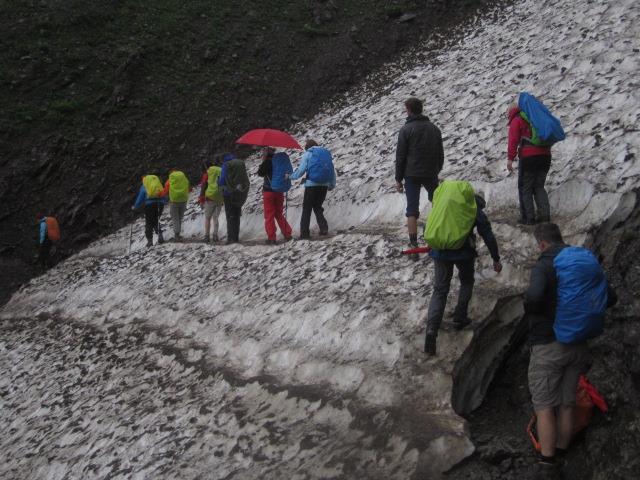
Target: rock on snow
x: 305, y: 360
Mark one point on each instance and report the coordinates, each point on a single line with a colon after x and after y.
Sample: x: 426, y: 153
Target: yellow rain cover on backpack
x: 213, y: 192
x: 452, y: 216
x: 152, y: 185
x: 178, y: 187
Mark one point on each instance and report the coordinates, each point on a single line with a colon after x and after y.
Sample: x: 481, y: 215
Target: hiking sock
x: 413, y: 239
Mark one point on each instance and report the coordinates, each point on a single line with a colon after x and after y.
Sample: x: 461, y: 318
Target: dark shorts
x: 554, y: 371
x: 412, y: 186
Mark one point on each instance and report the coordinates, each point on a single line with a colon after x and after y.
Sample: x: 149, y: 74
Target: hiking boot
x: 214, y: 238
x: 430, y: 344
x: 178, y: 237
x: 324, y: 233
x: 288, y: 239
x: 547, y: 470
x: 304, y: 237
x: 460, y: 323
x: 270, y: 242
x: 206, y: 239
x: 149, y: 243
x: 160, y: 239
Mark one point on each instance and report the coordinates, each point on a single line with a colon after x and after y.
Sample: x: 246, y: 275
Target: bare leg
x: 546, y: 425
x: 412, y: 225
x: 565, y: 424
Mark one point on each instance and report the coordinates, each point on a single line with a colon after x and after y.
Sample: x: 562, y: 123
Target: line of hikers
x: 225, y: 184
x: 568, y: 291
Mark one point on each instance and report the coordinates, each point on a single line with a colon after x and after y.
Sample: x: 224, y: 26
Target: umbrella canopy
x: 267, y: 137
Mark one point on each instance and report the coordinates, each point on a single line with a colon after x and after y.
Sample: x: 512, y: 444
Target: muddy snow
x: 304, y: 359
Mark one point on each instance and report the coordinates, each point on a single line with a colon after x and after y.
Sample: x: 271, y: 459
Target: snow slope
x: 324, y: 339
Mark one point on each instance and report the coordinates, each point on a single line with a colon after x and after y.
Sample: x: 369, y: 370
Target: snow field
x: 345, y: 316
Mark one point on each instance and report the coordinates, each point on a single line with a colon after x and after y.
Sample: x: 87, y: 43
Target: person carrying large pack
x: 150, y: 194
x: 177, y: 188
x: 317, y: 165
x: 456, y: 211
x: 276, y: 169
x: 211, y: 198
x: 234, y: 181
x: 564, y: 304
x: 532, y: 132
x: 48, y: 233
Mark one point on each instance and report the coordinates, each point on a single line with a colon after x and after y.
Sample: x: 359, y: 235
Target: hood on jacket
x: 414, y: 117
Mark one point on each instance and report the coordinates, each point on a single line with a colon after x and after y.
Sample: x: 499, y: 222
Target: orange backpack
x: 53, y: 229
x: 587, y: 397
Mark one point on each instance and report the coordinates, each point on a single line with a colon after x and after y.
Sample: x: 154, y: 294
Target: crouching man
x: 565, y: 304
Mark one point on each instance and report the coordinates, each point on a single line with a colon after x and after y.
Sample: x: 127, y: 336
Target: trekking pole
x: 130, y: 237
x: 286, y: 204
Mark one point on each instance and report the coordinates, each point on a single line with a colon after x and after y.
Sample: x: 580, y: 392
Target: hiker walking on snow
x: 211, y: 199
x: 150, y: 194
x: 317, y: 165
x: 235, y: 188
x: 564, y: 305
x: 456, y: 212
x: 48, y: 232
x: 177, y: 187
x: 532, y: 131
x: 419, y: 160
x: 275, y: 183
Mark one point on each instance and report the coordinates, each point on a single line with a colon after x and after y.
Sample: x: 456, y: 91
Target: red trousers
x: 273, y: 212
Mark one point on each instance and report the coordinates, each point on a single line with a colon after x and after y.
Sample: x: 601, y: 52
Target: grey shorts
x: 211, y: 209
x: 554, y: 371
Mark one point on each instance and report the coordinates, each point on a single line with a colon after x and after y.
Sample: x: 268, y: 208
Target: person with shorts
x: 554, y: 367
x: 211, y: 199
x: 419, y: 160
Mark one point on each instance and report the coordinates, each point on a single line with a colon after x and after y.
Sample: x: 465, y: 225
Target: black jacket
x: 265, y: 170
x: 540, y: 299
x: 419, y: 152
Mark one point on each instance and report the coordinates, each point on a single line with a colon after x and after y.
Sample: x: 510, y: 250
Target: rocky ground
x: 605, y: 449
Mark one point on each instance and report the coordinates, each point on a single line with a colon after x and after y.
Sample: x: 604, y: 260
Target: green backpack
x: 213, y: 191
x: 452, y: 216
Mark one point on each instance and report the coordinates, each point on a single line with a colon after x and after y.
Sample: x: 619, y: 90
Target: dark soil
x: 96, y: 94
x: 608, y: 448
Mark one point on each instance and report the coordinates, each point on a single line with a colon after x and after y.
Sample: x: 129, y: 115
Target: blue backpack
x: 582, y: 296
x: 281, y: 164
x: 320, y: 166
x: 545, y: 128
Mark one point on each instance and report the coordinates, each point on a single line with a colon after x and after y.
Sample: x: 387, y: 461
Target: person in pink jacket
x: 535, y: 161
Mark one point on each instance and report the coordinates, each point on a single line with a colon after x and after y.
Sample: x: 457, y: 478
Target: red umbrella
x: 267, y: 137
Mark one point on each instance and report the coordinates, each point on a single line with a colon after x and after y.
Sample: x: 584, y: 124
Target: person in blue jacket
x: 153, y: 208
x: 317, y: 165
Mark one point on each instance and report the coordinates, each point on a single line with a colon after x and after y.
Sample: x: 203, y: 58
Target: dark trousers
x: 43, y: 253
x: 442, y: 283
x: 232, y: 211
x: 532, y: 175
x: 313, y: 200
x: 152, y: 214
